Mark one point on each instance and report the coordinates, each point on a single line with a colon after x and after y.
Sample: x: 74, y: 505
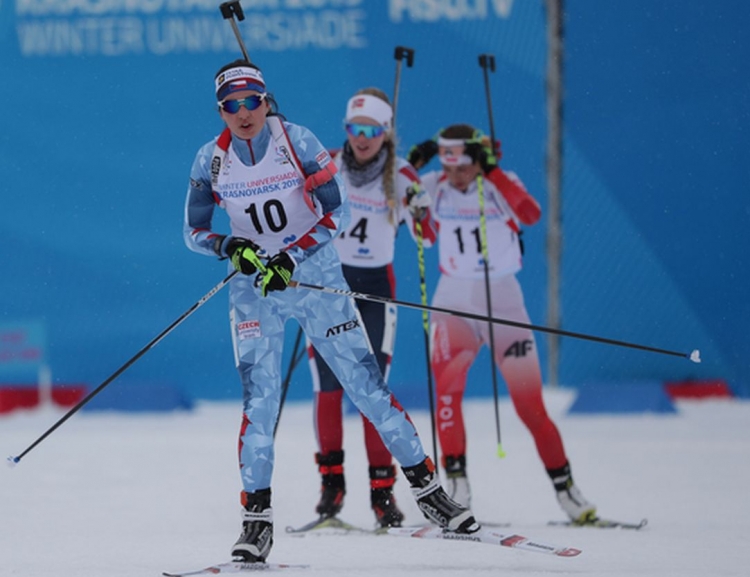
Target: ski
x: 236, y: 567
x: 488, y: 536
x: 330, y: 526
x: 602, y: 524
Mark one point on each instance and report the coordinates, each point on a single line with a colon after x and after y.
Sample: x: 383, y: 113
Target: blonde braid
x: 389, y: 180
x: 389, y: 170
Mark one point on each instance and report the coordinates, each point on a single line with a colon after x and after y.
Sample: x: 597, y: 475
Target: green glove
x: 277, y: 274
x: 245, y: 255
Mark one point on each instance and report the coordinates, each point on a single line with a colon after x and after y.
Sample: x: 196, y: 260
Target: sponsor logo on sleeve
x: 323, y: 158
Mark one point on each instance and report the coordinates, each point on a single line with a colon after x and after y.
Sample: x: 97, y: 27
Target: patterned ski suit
x: 256, y: 183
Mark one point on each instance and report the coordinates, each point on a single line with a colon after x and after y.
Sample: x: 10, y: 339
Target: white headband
x: 452, y: 152
x: 239, y: 78
x: 371, y: 107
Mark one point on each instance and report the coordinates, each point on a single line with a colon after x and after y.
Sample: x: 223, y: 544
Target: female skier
x: 285, y: 204
x: 383, y: 192
x: 469, y: 168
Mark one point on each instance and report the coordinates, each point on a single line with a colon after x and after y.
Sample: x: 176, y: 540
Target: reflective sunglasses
x: 367, y: 130
x: 251, y: 103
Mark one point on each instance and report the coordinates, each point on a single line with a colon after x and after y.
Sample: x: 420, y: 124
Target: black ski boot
x: 333, y: 487
x: 435, y: 503
x: 382, y: 500
x: 256, y: 539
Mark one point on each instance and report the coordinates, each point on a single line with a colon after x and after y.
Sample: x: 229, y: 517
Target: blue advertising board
x: 104, y: 104
x: 22, y: 351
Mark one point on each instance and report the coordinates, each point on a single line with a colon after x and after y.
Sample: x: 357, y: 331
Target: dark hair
x: 462, y: 132
x: 270, y: 98
x: 235, y: 64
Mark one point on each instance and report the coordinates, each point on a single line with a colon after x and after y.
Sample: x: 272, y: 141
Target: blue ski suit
x: 255, y: 182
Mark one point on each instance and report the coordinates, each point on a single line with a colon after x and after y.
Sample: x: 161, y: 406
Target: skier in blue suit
x: 286, y: 203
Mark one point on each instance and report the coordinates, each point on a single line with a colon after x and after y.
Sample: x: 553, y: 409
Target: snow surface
x: 135, y: 494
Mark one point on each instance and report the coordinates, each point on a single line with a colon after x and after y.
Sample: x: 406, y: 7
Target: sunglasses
x: 251, y: 103
x: 367, y: 130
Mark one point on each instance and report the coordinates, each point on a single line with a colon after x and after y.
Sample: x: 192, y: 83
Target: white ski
x: 488, y: 536
x: 236, y: 567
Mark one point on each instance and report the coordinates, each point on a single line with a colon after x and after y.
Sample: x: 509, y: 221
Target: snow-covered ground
x: 136, y: 494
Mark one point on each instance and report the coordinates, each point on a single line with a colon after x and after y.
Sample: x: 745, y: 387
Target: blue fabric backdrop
x: 104, y: 104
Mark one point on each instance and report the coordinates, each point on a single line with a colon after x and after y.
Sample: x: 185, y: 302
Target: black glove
x: 422, y: 153
x: 244, y: 254
x: 278, y: 273
x: 482, y: 154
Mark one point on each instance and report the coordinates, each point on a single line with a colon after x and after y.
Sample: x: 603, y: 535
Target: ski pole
x: 229, y: 10
x: 488, y: 61
x: 293, y: 362
x: 426, y: 327
x: 400, y: 53
x: 488, y: 296
x: 694, y: 355
x: 123, y: 368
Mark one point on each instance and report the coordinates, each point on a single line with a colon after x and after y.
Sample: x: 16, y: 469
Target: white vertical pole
x: 44, y: 383
x: 554, y: 180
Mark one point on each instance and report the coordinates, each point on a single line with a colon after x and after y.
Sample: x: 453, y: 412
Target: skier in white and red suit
x: 469, y: 166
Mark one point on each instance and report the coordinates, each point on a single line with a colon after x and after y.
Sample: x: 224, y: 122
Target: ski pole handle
x: 402, y: 52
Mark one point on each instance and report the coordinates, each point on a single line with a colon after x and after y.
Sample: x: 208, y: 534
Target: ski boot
x: 256, y: 539
x: 435, y: 503
x: 382, y: 500
x: 457, y: 483
x: 333, y: 487
x: 570, y: 497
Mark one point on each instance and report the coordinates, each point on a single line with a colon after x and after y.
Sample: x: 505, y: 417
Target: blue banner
x: 22, y: 350
x: 105, y: 103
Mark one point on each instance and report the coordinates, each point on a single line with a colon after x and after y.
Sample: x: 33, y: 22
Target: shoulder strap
x: 224, y: 140
x: 281, y: 139
x: 220, y: 151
